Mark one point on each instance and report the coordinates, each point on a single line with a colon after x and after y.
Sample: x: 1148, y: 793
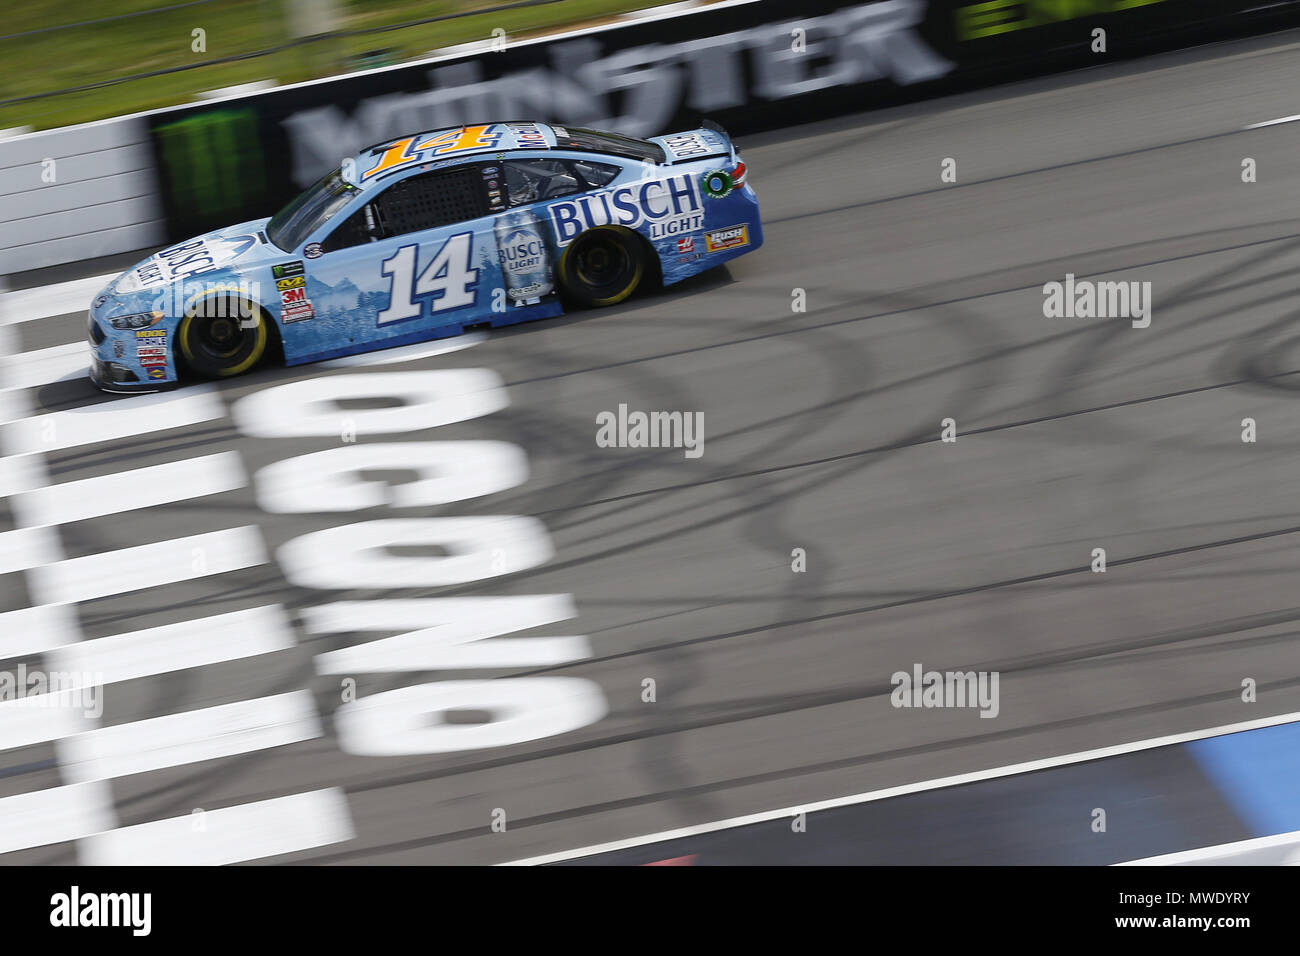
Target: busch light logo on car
x: 525, y: 262
x: 667, y: 207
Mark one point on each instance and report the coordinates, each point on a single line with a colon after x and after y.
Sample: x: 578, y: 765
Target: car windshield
x: 594, y: 141
x: 310, y: 210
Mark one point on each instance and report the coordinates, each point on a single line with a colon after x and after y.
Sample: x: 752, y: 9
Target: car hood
x: 235, y: 247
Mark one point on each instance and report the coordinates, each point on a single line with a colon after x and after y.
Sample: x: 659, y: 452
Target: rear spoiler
x: 713, y: 127
x: 726, y: 150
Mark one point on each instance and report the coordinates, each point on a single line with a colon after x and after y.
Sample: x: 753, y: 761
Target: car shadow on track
x: 79, y: 392
x: 718, y: 277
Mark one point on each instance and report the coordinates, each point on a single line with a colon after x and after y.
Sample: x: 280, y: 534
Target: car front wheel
x: 221, y: 342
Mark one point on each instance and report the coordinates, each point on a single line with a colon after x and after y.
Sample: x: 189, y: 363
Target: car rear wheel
x: 219, y: 341
x: 602, y: 266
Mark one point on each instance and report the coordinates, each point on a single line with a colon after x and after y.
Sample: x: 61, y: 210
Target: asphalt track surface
x: 924, y: 302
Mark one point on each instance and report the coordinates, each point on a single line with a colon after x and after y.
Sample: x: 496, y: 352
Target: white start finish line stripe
x: 41, y: 718
x: 46, y: 366
x: 25, y: 548
x: 24, y: 305
x: 35, y: 630
x: 125, y: 491
x: 941, y: 783
x: 62, y: 813
x: 252, y: 831
x: 148, y: 566
x: 64, y: 363
x: 19, y: 473
x: 111, y: 421
x: 189, y: 737
x: 57, y: 815
x: 173, y: 647
x: 13, y: 406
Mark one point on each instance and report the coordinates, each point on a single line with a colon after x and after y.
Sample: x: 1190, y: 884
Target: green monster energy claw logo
x: 215, y: 163
x: 717, y: 184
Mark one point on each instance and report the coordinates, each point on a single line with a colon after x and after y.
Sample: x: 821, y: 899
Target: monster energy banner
x: 748, y: 64
x: 212, y: 166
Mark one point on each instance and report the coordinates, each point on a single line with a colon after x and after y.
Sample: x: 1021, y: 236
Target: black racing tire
x: 602, y: 266
x: 217, y: 341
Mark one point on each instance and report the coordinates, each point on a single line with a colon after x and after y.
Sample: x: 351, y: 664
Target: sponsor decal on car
x: 99, y: 302
x: 528, y: 136
x: 717, y: 184
x: 297, y: 313
x: 463, y: 139
x: 158, y: 335
x: 287, y: 269
x: 294, y: 304
x: 313, y: 250
x: 685, y: 145
x: 142, y: 351
x: 185, y: 261
x: 157, y: 373
x: 521, y: 250
x: 119, y: 348
x: 294, y: 300
x: 733, y: 237
x: 666, y: 207
x: 686, y: 245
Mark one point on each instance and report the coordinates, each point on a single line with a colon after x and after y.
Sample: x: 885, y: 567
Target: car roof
x: 450, y: 143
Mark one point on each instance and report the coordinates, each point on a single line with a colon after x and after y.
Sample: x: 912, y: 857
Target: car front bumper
x: 126, y: 362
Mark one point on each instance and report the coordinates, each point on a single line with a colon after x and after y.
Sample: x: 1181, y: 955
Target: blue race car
x: 419, y: 238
